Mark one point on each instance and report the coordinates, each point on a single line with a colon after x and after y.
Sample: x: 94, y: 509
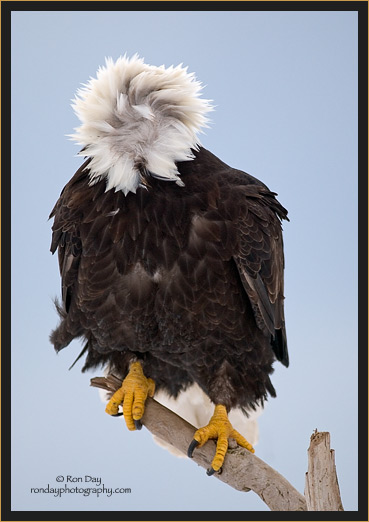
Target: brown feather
x: 187, y: 279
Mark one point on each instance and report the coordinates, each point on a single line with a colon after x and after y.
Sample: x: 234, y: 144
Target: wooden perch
x: 322, y: 492
x: 242, y: 470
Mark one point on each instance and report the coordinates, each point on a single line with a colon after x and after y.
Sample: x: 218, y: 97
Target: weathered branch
x: 242, y: 470
x: 321, y: 484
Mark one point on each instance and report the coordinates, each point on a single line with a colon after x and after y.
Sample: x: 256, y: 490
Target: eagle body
x: 167, y: 255
x: 158, y: 275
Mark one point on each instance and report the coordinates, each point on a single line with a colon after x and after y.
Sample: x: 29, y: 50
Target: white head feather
x: 135, y: 116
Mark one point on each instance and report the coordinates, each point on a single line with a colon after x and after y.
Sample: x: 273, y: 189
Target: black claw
x: 138, y: 424
x: 191, y: 447
x: 117, y: 415
x: 211, y: 471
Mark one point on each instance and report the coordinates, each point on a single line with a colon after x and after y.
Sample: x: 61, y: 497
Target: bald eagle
x: 171, y: 261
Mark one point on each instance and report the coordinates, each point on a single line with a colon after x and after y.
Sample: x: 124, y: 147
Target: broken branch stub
x: 322, y: 491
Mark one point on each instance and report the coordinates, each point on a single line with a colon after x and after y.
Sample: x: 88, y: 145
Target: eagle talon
x: 191, y: 447
x: 117, y: 414
x: 211, y: 471
x: 221, y: 429
x: 132, y: 396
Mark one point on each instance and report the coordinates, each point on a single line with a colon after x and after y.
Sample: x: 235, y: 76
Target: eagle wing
x: 69, y: 253
x: 66, y: 238
x: 260, y: 262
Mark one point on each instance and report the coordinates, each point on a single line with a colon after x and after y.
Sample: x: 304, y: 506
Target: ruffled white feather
x: 138, y: 116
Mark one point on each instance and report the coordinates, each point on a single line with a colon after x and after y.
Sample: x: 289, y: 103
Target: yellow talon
x: 220, y: 428
x: 132, y: 394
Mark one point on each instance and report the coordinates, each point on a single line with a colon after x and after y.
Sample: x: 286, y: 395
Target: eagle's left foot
x: 132, y: 394
x: 219, y: 428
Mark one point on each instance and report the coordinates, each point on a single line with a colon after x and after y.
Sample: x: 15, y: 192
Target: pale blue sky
x: 285, y: 89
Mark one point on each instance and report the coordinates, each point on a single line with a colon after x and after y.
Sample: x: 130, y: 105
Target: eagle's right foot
x: 221, y: 429
x: 132, y: 395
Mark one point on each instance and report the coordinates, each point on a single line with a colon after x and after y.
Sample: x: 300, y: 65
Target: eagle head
x: 138, y: 118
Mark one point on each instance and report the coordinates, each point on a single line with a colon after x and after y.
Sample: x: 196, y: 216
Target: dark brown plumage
x: 188, y: 280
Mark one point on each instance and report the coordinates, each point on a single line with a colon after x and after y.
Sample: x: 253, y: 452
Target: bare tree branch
x: 241, y: 470
x: 321, y: 484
